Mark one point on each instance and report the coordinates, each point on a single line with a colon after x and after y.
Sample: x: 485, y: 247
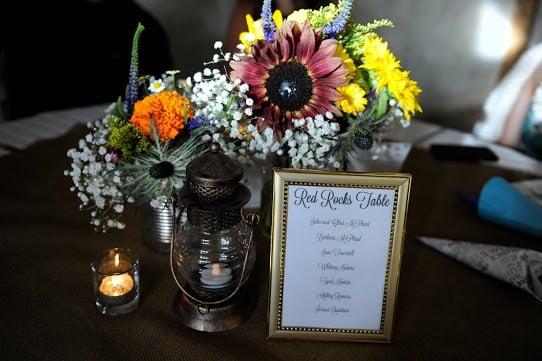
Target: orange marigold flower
x: 169, y: 111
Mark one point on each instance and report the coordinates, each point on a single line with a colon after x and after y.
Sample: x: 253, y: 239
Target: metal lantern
x: 212, y: 251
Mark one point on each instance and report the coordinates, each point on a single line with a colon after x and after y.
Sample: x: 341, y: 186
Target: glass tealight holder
x: 115, y: 274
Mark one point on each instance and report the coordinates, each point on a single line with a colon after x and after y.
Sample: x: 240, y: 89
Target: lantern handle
x: 251, y: 219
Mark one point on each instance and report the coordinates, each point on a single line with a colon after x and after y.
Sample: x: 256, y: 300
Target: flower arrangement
x: 308, y: 88
x: 139, y: 151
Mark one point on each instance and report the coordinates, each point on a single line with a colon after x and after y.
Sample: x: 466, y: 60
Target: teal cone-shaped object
x: 501, y: 203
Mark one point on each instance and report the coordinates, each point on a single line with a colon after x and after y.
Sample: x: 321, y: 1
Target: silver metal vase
x: 158, y: 227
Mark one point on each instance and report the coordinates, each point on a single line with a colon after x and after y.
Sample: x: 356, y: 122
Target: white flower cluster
x: 390, y: 120
x: 309, y: 144
x: 312, y: 141
x: 230, y: 112
x: 97, y: 183
x: 394, y: 116
x: 225, y: 104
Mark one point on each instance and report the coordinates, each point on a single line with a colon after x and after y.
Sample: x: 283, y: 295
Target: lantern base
x: 220, y: 317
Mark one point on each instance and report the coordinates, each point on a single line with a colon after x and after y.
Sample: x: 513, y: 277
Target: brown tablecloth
x: 446, y: 311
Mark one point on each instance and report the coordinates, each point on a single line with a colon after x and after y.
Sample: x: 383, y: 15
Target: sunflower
x: 295, y: 76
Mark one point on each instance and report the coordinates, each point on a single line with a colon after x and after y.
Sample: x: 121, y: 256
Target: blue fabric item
x: 503, y: 204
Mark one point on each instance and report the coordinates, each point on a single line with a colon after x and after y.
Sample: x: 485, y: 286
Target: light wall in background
x: 452, y: 48
x: 494, y: 32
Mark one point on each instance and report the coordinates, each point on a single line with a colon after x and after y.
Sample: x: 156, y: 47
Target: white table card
x: 336, y: 248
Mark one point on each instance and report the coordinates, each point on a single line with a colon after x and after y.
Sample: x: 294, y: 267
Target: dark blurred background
x: 60, y: 54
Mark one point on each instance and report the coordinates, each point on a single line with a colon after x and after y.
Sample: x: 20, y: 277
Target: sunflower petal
x: 324, y: 67
x: 305, y: 48
x: 309, y: 111
x: 330, y: 81
x: 326, y: 93
x: 249, y: 67
x: 258, y: 93
x: 327, y: 49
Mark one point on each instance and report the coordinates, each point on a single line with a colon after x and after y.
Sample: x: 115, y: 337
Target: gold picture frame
x: 399, y: 183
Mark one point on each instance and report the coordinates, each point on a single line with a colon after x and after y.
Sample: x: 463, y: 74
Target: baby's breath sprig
x: 97, y: 181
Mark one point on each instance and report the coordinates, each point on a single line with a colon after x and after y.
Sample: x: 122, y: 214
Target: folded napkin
x: 531, y: 188
x: 517, y: 266
x: 503, y: 204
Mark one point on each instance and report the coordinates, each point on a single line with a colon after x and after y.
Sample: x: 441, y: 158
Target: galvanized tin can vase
x: 158, y: 227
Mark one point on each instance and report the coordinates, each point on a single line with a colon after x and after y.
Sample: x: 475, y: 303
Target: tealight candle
x: 116, y: 281
x: 215, y: 275
x: 117, y: 285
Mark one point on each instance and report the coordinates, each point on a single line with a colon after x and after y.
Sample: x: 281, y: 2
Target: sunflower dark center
x: 161, y: 170
x: 289, y: 86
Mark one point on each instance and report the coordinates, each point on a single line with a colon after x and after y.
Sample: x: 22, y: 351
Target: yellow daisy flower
x: 406, y: 91
x: 255, y: 29
x: 347, y: 61
x: 379, y: 59
x: 352, y: 98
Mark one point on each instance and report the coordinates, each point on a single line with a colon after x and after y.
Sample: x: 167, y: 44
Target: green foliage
x: 381, y: 104
x: 362, y: 29
x: 365, y: 124
x: 323, y: 16
x: 131, y: 95
x: 126, y: 138
x: 135, y: 43
x: 118, y: 110
x: 143, y: 82
x: 352, y: 37
x: 362, y: 78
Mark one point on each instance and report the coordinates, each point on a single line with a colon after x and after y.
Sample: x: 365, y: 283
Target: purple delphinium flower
x: 332, y: 29
x: 197, y: 122
x: 132, y: 87
x: 269, y: 27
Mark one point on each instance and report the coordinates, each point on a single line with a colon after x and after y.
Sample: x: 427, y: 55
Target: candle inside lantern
x: 215, y: 275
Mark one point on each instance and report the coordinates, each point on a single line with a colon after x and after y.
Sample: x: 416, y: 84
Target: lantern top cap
x: 213, y: 173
